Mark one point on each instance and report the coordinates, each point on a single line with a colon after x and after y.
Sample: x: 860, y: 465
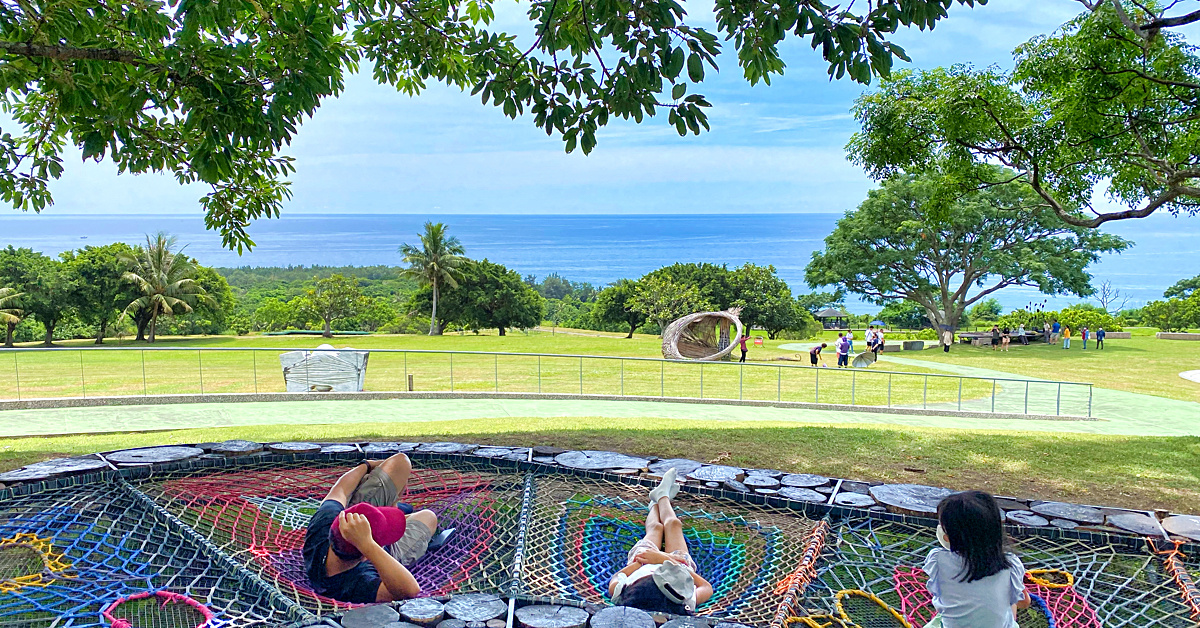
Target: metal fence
x: 27, y: 373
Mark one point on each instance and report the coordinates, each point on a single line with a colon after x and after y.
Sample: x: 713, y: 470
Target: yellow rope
x: 1039, y: 577
x: 54, y: 564
x: 870, y: 596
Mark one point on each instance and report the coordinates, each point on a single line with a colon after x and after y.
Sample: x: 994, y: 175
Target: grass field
x: 88, y: 372
x: 1135, y: 472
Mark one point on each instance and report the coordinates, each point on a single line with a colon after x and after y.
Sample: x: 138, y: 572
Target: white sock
x: 666, y: 488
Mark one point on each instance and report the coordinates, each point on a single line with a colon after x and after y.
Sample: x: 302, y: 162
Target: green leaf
x: 678, y: 91
x: 695, y: 66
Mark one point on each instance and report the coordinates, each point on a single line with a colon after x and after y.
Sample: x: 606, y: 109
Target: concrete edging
x: 143, y: 400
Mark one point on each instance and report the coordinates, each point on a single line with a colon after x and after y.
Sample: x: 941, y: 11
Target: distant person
x: 1083, y: 335
x: 814, y: 354
x: 878, y: 342
x: 850, y: 339
x: 975, y: 581
x: 947, y: 340
x: 358, y: 544
x: 842, y: 347
x: 995, y: 338
x: 1005, y: 338
x: 1100, y: 338
x: 742, y: 342
x: 1066, y: 336
x: 1046, y: 332
x: 1055, y: 330
x: 1021, y: 334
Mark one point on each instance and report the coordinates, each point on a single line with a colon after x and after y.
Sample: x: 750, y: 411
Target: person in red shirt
x: 742, y: 341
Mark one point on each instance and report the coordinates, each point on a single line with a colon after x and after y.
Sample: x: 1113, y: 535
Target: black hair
x: 644, y: 594
x: 975, y: 526
x: 339, y: 551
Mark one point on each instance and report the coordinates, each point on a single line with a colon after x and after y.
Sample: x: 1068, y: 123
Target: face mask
x: 942, y: 538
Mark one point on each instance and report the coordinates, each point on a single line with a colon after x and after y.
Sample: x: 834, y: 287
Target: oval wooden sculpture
x: 153, y: 455
x: 369, y: 617
x: 703, y: 336
x: 294, y: 448
x: 599, y: 460
x: 423, y: 611
x: 1074, y: 512
x: 1136, y: 523
x: 476, y: 607
x: 1183, y: 525
x: 551, y: 616
x: 804, y: 480
x: 622, y: 617
x: 910, y: 499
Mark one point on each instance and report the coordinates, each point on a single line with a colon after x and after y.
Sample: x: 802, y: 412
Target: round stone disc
x: 622, y: 617
x: 1074, y: 512
x: 48, y: 469
x: 476, y: 607
x: 760, y: 481
x: 388, y: 448
x: 804, y: 480
x: 422, y: 611
x: 369, y: 617
x: 1136, y: 523
x: 686, y: 622
x: 599, y: 460
x: 548, y: 450
x: 551, y: 616
x: 802, y: 494
x: 294, y: 448
x: 452, y: 623
x: 774, y: 473
x: 854, y: 500
x: 338, y: 448
x: 1026, y: 518
x: 1064, y: 524
x: 682, y: 466
x: 445, y: 448
x: 1183, y: 525
x: 237, y: 447
x: 153, y: 455
x: 492, y: 452
x: 735, y: 486
x: 717, y: 473
x: 910, y: 499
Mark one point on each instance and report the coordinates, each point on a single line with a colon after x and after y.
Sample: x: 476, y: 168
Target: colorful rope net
x: 258, y: 515
x: 157, y: 609
x: 580, y: 531
x: 1114, y: 585
x: 98, y: 543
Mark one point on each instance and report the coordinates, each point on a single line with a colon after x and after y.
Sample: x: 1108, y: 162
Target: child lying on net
x: 660, y: 574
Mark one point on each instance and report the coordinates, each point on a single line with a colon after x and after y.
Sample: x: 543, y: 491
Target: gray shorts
x: 376, y: 488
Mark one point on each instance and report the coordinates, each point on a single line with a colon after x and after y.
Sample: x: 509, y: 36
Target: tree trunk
x: 49, y: 334
x: 153, y: 324
x: 501, y: 331
x: 100, y: 333
x: 631, y: 328
x: 142, y: 322
x: 434, y: 328
x: 8, y: 336
x: 328, y: 333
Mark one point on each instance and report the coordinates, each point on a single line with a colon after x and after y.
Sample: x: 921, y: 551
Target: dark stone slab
x: 761, y: 481
x: 445, y: 448
x: 802, y: 494
x: 1064, y: 524
x: 599, y: 460
x: 824, y: 490
x: 735, y: 486
x: 856, y: 487
x: 682, y: 466
x: 422, y: 611
x: 476, y: 607
x: 687, y: 622
x: 339, y: 448
x: 492, y: 452
x: 804, y: 480
x: 854, y: 500
x: 544, y: 459
x: 153, y: 455
x: 1136, y: 523
x: 717, y: 473
x: 388, y: 448
x: 237, y: 448
x: 1074, y: 512
x: 548, y: 450
x: 207, y: 447
x: 1026, y: 518
x: 773, y: 473
x: 1007, y: 503
x: 294, y: 448
x: 49, y: 469
x: 1187, y: 526
x: 551, y: 616
x: 452, y: 623
x: 622, y: 617
x: 374, y: 616
x: 910, y: 499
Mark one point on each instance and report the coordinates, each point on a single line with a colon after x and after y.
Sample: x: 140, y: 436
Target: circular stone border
x: 1191, y: 376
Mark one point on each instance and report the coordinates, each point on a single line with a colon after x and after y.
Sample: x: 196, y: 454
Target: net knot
x: 122, y: 623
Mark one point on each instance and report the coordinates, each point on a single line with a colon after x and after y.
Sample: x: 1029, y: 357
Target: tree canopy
x: 1100, y: 106
x: 896, y: 245
x: 330, y: 299
x: 212, y: 92
x: 614, y: 305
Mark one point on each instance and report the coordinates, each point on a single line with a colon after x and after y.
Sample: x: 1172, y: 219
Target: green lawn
x: 96, y: 373
x: 1135, y: 472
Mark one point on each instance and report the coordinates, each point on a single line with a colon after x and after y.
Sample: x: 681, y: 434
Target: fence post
x: 925, y: 394
x: 741, y: 377
x: 1089, y: 401
x: 539, y: 373
x: 451, y: 372
x: 1058, y: 401
x: 662, y: 378
x: 702, y: 381
x: 1026, y: 396
x: 853, y: 377
x: 82, y: 379
x: 779, y: 383
x: 17, y: 373
x: 960, y: 393
x: 254, y: 358
x: 889, y: 390
x: 145, y: 390
x: 200, y: 369
x: 621, y: 361
x: 581, y: 375
x: 993, y: 395
x: 497, y: 371
x: 817, y: 387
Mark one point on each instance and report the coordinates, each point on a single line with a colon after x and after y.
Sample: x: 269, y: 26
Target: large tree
x: 47, y: 285
x: 614, y: 306
x: 211, y: 92
x: 101, y: 291
x: 902, y: 243
x: 1100, y: 108
x: 332, y: 298
x: 662, y: 299
x: 436, y: 264
x: 497, y: 298
x: 164, y: 280
x: 10, y: 312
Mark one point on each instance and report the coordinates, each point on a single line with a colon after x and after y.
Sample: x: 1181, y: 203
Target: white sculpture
x: 324, y: 370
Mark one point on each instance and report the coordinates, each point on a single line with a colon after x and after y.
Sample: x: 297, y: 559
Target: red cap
x: 387, y: 526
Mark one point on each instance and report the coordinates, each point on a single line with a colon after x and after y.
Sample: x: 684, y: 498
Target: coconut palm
x: 10, y: 314
x: 435, y: 264
x: 165, y: 279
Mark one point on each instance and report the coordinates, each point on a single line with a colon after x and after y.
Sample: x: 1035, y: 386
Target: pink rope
x: 168, y: 598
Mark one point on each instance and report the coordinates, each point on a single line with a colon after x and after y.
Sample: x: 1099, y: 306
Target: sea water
x: 589, y: 248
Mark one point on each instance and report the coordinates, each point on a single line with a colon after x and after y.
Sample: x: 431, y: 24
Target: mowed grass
x: 1142, y: 364
x: 1126, y: 471
x: 79, y: 369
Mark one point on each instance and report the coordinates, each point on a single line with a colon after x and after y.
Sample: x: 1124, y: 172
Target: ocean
x: 593, y: 249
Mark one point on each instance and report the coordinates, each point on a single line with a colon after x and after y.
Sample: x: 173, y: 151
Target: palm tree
x: 436, y: 263
x: 10, y: 314
x: 165, y: 279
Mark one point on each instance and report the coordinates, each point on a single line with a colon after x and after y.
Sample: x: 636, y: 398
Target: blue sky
x: 772, y: 149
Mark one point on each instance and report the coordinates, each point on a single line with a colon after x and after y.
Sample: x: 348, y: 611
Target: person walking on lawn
x: 1083, y: 333
x: 1066, y: 336
x: 742, y: 342
x: 842, y: 346
x: 1100, y: 338
x: 1046, y: 332
x: 995, y: 337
